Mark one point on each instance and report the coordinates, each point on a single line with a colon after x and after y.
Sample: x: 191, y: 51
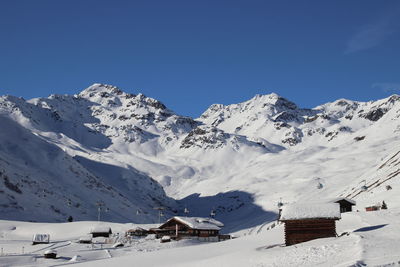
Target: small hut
x: 50, y: 254
x: 103, y: 231
x: 87, y: 239
x: 40, y: 239
x: 346, y: 204
x: 308, y: 221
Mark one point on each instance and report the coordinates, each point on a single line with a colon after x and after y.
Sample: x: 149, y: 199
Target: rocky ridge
x: 128, y: 149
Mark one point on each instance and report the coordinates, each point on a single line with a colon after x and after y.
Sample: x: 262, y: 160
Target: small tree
x: 384, y: 206
x: 70, y: 219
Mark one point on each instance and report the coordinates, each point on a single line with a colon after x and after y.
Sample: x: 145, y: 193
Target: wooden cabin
x: 308, y: 221
x: 103, y: 231
x: 203, y: 229
x: 346, y: 204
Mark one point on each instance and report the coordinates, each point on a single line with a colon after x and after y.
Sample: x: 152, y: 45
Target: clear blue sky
x: 190, y: 54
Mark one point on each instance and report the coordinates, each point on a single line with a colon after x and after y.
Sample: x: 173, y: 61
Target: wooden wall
x: 171, y: 225
x: 372, y: 208
x: 297, y: 231
x: 344, y: 206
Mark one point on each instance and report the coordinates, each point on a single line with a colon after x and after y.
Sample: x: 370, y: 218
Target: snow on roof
x: 100, y: 229
x: 311, y: 211
x: 41, y: 238
x: 50, y: 251
x: 85, y: 238
x: 199, y: 222
x: 343, y: 198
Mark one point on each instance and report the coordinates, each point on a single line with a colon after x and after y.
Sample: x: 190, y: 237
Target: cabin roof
x: 199, y: 223
x: 353, y: 202
x: 310, y: 211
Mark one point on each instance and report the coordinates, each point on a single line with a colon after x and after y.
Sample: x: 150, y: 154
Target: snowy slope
x: 238, y: 160
x: 41, y: 182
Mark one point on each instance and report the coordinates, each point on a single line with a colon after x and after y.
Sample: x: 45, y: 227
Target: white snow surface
x: 300, y: 211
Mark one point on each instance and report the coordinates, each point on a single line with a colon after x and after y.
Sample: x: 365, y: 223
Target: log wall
x: 297, y: 231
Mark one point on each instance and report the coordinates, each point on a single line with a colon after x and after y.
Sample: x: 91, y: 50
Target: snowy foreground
x: 367, y: 239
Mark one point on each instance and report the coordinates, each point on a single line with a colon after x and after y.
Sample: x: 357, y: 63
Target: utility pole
x: 186, y: 211
x: 212, y: 213
x: 280, y: 204
x: 364, y: 187
x: 160, y: 213
x: 99, y: 204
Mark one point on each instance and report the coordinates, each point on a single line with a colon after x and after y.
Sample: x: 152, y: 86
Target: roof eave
x: 310, y: 219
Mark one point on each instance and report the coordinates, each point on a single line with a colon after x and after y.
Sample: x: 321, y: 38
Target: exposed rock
x: 207, y: 138
x: 287, y: 117
x: 294, y: 136
x: 331, y: 135
x: 359, y: 138
x: 345, y: 129
x: 280, y: 125
x: 374, y: 115
x: 311, y: 119
x: 10, y: 185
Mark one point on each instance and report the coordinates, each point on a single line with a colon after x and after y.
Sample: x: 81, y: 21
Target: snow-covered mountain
x: 273, y: 118
x: 62, y: 154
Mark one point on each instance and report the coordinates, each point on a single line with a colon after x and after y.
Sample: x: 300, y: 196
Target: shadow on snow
x: 236, y: 209
x: 370, y: 228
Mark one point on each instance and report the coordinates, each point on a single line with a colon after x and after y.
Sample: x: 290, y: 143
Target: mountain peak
x: 273, y: 99
x: 267, y: 96
x: 101, y: 88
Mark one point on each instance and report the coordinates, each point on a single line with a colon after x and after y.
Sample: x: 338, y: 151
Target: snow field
x: 369, y: 238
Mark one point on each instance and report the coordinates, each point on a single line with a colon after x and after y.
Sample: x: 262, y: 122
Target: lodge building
x: 203, y: 229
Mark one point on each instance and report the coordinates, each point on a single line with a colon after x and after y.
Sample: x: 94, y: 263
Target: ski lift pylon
x: 364, y: 187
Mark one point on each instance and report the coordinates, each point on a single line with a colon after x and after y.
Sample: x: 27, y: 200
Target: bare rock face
x: 374, y: 115
x: 205, y: 137
x: 293, y: 137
